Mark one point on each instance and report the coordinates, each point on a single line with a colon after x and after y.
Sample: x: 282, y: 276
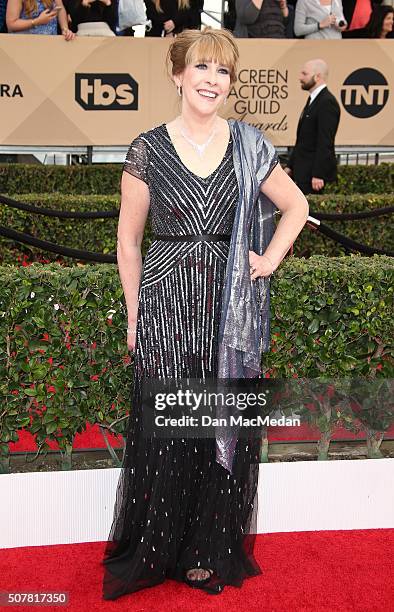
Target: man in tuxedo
x: 312, y: 162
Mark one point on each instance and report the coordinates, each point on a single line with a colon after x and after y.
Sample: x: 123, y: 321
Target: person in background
x: 389, y: 3
x: 319, y: 19
x: 229, y: 15
x: 357, y: 14
x: 261, y: 18
x: 3, y: 7
x: 37, y: 17
x: 312, y: 162
x: 291, y: 4
x: 92, y: 17
x: 381, y: 23
x: 170, y: 17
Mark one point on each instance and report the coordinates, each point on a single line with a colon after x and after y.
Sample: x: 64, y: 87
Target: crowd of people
x: 319, y: 19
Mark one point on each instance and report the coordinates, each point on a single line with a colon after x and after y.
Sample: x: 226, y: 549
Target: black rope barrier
x: 351, y: 244
x: 24, y: 238
x: 386, y: 210
x: 102, y: 214
x: 55, y: 248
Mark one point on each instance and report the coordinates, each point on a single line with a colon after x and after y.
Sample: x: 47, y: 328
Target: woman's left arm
x: 63, y: 22
x: 286, y: 196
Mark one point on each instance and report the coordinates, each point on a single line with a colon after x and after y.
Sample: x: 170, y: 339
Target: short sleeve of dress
x: 267, y: 159
x: 136, y: 162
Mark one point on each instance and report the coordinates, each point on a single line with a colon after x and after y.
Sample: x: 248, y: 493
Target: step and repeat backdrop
x: 106, y: 91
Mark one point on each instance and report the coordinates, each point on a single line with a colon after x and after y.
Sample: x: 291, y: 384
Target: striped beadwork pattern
x: 181, y: 286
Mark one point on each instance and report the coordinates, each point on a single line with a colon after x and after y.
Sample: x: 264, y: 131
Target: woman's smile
x: 206, y: 93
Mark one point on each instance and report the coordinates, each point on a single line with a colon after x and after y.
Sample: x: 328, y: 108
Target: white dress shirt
x: 316, y: 92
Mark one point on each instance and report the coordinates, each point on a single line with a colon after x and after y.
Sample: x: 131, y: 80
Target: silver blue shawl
x: 245, y: 317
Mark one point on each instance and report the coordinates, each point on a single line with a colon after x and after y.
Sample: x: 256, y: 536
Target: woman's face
x: 388, y: 23
x: 205, y: 85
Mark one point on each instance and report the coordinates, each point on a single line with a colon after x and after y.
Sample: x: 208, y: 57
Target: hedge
x: 105, y: 179
x: 28, y: 178
x: 63, y: 354
x: 99, y: 235
x: 364, y: 179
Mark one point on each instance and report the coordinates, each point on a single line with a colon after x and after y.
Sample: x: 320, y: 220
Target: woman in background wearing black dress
x: 186, y: 508
x: 92, y: 17
x: 170, y: 17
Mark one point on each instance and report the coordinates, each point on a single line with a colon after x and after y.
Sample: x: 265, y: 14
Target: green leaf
x: 51, y: 427
x: 313, y: 326
x: 39, y: 373
x: 48, y: 417
x: 24, y: 422
x: 38, y: 321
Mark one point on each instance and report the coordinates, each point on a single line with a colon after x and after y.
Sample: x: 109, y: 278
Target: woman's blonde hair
x: 191, y: 46
x: 182, y: 5
x: 31, y: 6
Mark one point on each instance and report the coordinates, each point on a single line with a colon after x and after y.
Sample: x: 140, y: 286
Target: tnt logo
x: 364, y: 93
x: 106, y: 91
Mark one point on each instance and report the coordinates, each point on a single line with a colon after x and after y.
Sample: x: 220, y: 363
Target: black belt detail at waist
x: 194, y: 238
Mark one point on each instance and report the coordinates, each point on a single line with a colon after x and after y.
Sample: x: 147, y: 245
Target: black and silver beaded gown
x: 176, y: 508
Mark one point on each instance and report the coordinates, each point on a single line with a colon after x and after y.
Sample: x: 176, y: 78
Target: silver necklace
x: 199, y: 148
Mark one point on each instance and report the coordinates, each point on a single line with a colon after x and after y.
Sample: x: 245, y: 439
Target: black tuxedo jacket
x: 314, y: 151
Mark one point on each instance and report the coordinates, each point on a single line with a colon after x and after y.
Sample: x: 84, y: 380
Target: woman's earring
x: 179, y: 90
x: 225, y: 102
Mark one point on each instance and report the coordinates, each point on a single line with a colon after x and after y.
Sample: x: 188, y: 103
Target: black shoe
x: 198, y: 583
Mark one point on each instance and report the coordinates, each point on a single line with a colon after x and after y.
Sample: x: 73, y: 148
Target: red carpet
x: 325, y: 571
x: 92, y: 438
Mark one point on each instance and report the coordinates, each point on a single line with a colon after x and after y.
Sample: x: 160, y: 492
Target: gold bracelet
x: 32, y: 23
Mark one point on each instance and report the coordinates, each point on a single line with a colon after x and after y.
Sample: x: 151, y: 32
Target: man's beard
x: 307, y: 86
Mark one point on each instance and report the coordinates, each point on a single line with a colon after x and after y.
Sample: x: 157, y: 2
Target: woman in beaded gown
x: 179, y: 513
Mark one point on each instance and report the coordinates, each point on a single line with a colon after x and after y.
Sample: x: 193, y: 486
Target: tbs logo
x: 106, y: 91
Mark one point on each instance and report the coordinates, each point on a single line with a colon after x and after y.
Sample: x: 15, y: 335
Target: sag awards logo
x: 106, y: 91
x: 364, y: 93
x: 260, y: 93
